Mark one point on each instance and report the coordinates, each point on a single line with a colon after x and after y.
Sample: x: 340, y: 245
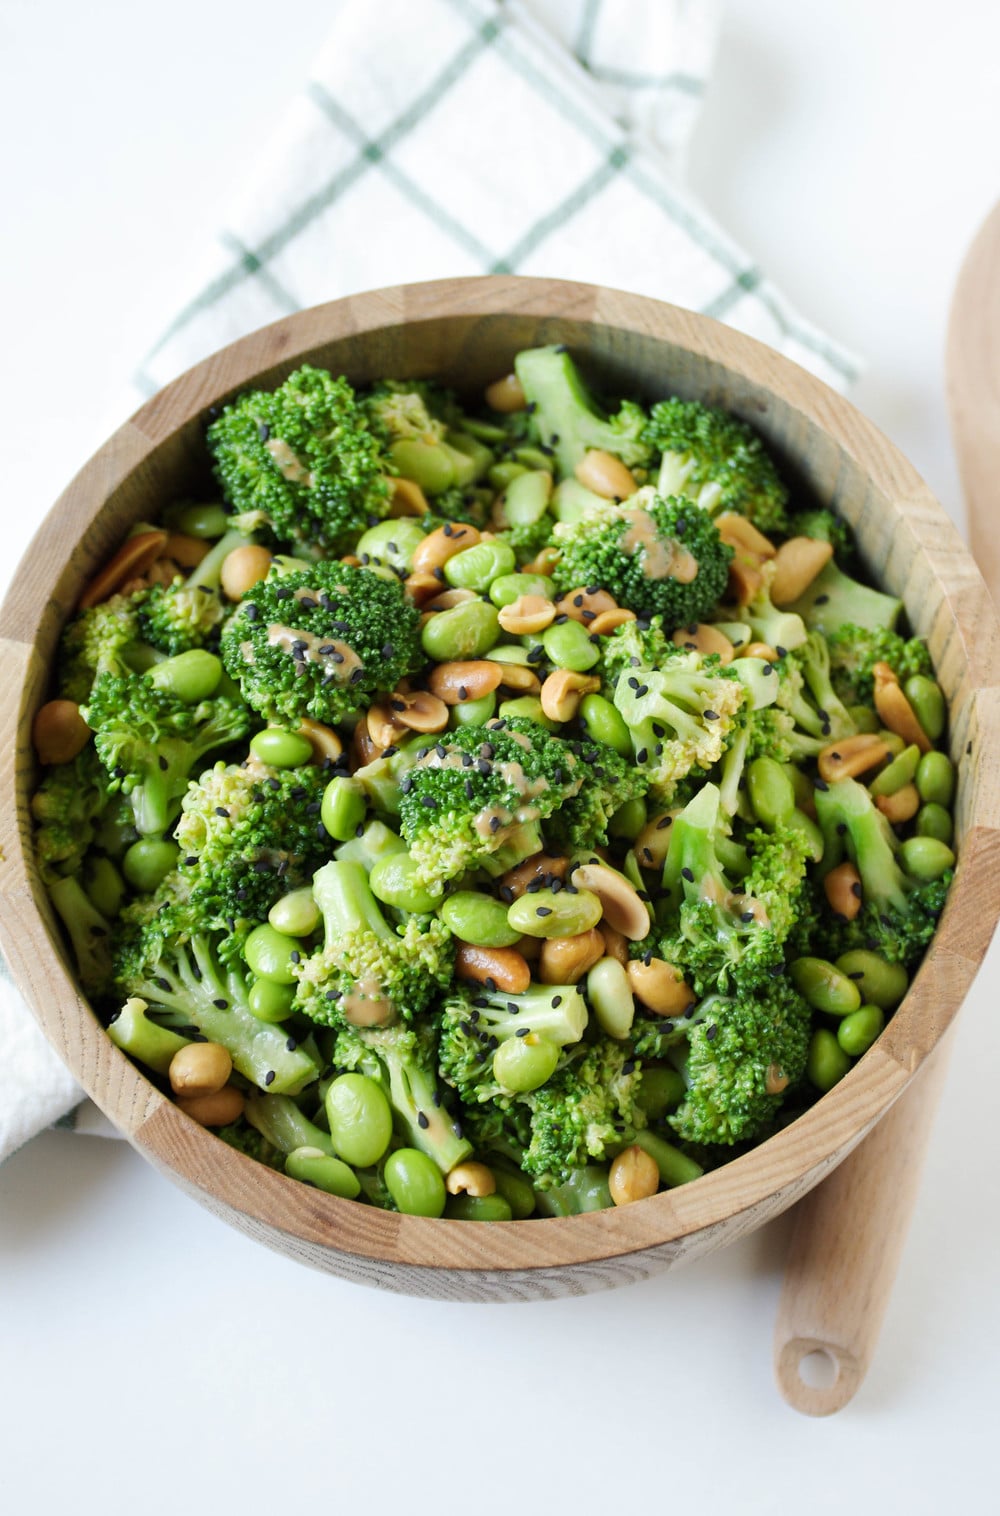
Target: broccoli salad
x: 492, y: 810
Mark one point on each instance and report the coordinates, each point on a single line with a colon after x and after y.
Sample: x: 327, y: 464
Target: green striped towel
x: 450, y: 137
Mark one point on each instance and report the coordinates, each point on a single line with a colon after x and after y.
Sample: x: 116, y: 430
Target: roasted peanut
x: 202, y: 1068
x: 519, y: 678
x: 406, y: 499
x: 163, y: 571
x: 562, y: 692
x: 605, y: 475
x: 470, y: 1178
x: 565, y: 960
x: 543, y: 562
x: 901, y: 806
x: 634, y: 1175
x: 442, y: 544
x: 505, y: 395
x: 242, y: 569
x: 505, y: 968
x: 851, y: 756
x: 463, y: 680
x: 654, y: 839
x: 760, y: 650
x: 324, y: 740
x: 539, y: 866
x: 384, y: 728
x: 133, y: 558
x: 702, y: 638
x: 842, y: 887
x: 418, y: 710
x: 622, y: 907
x: 659, y: 986
x: 741, y: 534
x: 220, y: 1109
x: 745, y: 580
x: 363, y: 746
x: 186, y: 551
x: 422, y: 587
x: 59, y: 732
x: 615, y: 943
x: 606, y: 621
x: 895, y: 711
x: 527, y: 614
x: 448, y: 598
x: 584, y: 605
x: 775, y: 1080
x: 796, y: 564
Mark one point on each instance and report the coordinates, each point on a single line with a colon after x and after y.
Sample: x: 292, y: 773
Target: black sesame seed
x: 688, y: 875
x: 269, y: 1077
x: 422, y: 1121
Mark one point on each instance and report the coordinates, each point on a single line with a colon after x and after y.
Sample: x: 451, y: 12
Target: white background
x: 151, y: 1358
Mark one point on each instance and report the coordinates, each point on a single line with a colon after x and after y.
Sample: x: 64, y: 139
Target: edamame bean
x: 530, y: 707
x: 663, y: 1090
x: 281, y: 749
x: 526, y: 498
x: 477, y: 918
x: 104, y: 885
x: 936, y: 779
x: 360, y: 1120
x: 270, y: 1001
x: 477, y: 567
x: 926, y: 697
x: 510, y: 587
x: 532, y: 457
x: 675, y: 1167
x: 568, y: 646
x: 392, y: 881
x: 825, y: 987
x: 426, y: 463
x: 858, y: 1031
x: 897, y: 773
x: 524, y: 1063
x: 803, y: 787
x: 934, y: 821
x: 295, y: 914
x: 191, y: 676
x: 516, y: 1190
x: 313, y: 1167
x: 204, y: 521
x: 392, y: 543
x: 474, y: 712
x: 469, y: 446
x: 478, y: 1208
x: 925, y: 857
x: 415, y: 1183
x: 343, y: 808
x: 148, y: 862
x: 268, y: 954
x: 501, y: 474
x: 864, y: 718
x: 611, y: 1000
x: 628, y: 820
x: 604, y: 723
x: 548, y: 914
x: 511, y: 652
x: 771, y: 793
x: 827, y: 1063
x: 585, y: 1190
x: 892, y: 740
x: 880, y: 982
x: 465, y: 631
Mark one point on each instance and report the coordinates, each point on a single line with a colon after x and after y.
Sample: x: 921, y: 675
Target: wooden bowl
x: 467, y: 331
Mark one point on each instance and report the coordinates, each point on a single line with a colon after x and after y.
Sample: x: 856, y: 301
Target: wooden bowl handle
x: 845, y: 1250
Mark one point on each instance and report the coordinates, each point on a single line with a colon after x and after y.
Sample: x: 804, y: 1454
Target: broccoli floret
x: 249, y: 834
x: 246, y: 1139
x: 657, y: 557
x: 899, y: 914
x: 712, y: 458
x: 855, y: 650
x: 97, y: 641
x: 403, y: 1060
x: 477, y: 797
x: 320, y: 643
x: 583, y: 819
x: 300, y: 464
x: 150, y: 741
x: 566, y: 417
x: 473, y: 1025
x: 812, y: 660
x: 635, y: 644
x: 412, y: 410
x: 827, y: 527
x: 741, y: 1051
x: 680, y: 716
x: 66, y: 808
x: 89, y: 933
x: 186, y: 976
x: 179, y: 616
x: 366, y: 974
x: 591, y: 1104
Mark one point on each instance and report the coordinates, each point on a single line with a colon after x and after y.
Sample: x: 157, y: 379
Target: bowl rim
x: 756, y: 1184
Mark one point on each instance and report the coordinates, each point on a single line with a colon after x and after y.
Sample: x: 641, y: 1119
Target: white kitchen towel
x: 451, y: 137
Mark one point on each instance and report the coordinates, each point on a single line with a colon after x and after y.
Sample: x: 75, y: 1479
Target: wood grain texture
x: 467, y: 332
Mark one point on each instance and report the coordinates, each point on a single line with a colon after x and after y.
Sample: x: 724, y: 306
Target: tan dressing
x: 668, y: 559
x: 339, y: 663
x: 292, y: 468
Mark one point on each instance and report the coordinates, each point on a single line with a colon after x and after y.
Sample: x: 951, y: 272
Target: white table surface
x: 148, y: 1354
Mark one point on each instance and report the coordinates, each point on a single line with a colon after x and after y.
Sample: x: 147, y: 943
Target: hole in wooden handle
x: 817, y: 1378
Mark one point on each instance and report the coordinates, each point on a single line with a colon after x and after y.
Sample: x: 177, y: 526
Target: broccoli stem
x: 207, y: 572
x: 342, y: 892
x: 89, y: 933
x: 135, y: 1034
x: 280, y: 1121
x: 870, y: 839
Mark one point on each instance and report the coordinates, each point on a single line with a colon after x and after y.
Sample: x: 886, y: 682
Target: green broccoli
x: 366, y: 974
x: 566, y: 418
x: 150, y: 741
x: 583, y: 819
x: 66, y: 809
x: 477, y: 797
x: 475, y: 1023
x: 179, y: 616
x: 591, y: 1105
x: 403, y: 1060
x: 717, y: 461
x: 855, y: 650
x: 98, y: 641
x: 320, y: 643
x: 655, y: 556
x: 834, y: 599
x: 899, y: 914
x: 812, y: 660
x: 300, y: 465
x: 824, y: 525
x: 184, y: 976
x: 741, y: 1051
x: 249, y: 834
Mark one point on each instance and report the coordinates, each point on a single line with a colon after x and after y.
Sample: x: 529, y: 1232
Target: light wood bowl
x: 467, y: 331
